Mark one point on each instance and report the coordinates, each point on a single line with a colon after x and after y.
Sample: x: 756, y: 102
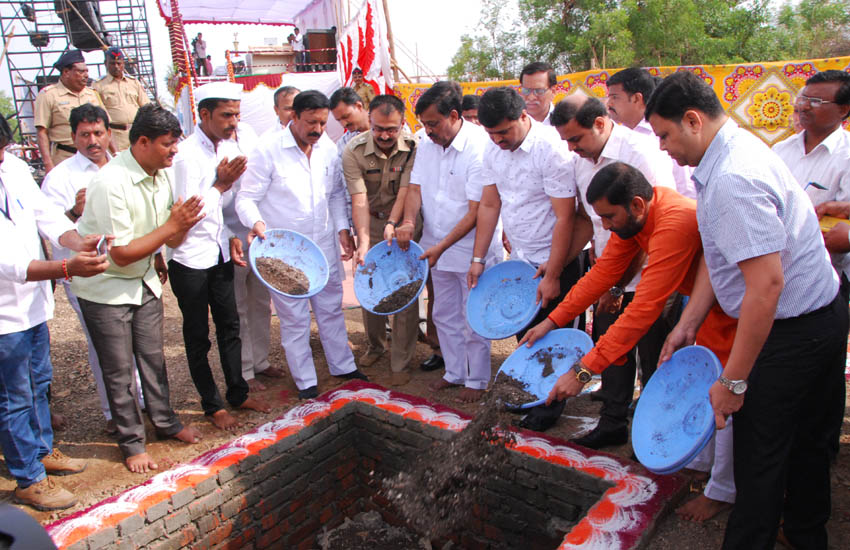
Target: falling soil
x: 545, y: 356
x: 369, y: 531
x: 399, y: 298
x: 509, y: 390
x: 282, y: 276
x: 437, y: 495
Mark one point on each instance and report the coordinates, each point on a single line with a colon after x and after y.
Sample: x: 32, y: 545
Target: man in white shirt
x: 347, y: 108
x: 283, y: 97
x: 26, y: 304
x: 66, y: 186
x: 628, y: 92
x: 289, y: 184
x: 583, y: 122
x: 446, y: 184
x: 298, y: 48
x: 529, y: 180
x: 819, y: 158
x: 537, y: 87
x: 207, y: 164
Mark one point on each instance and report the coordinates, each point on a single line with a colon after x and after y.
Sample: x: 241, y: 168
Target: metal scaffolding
x: 35, y: 33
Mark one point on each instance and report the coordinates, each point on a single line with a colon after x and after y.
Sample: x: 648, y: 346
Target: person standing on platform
x: 363, y: 88
x: 289, y: 184
x: 53, y: 106
x: 529, y: 177
x: 130, y: 198
x: 766, y: 265
x: 207, y: 165
x: 66, y: 186
x: 122, y: 96
x: 377, y: 166
x: 26, y: 304
x: 446, y: 184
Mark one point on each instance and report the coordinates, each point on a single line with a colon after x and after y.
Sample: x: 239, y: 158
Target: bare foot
x: 188, y: 435
x: 255, y: 385
x: 273, y: 372
x: 57, y: 421
x: 441, y: 384
x: 469, y: 395
x: 223, y: 420
x: 256, y: 405
x: 140, y: 464
x: 701, y: 508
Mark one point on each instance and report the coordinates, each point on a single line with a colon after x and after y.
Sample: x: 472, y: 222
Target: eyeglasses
x: 814, y: 102
x: 383, y: 130
x: 535, y: 91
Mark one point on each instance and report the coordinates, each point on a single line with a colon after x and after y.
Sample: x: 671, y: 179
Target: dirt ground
x: 74, y: 396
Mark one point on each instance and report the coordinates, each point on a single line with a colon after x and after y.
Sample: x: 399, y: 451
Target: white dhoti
x: 717, y: 457
x: 253, y: 305
x: 294, y: 315
x: 94, y: 363
x: 466, y: 354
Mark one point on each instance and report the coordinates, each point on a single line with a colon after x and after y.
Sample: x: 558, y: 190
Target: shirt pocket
x: 373, y: 178
x: 456, y: 187
x: 111, y: 98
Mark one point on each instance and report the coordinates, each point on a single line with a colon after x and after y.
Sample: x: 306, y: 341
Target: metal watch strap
x: 477, y: 260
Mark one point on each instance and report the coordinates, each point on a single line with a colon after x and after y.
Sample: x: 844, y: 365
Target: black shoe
x: 433, y: 363
x: 354, y: 375
x: 542, y: 417
x: 603, y: 437
x: 308, y: 393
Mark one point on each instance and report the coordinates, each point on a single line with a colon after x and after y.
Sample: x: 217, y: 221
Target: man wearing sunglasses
x: 537, y: 87
x: 819, y: 157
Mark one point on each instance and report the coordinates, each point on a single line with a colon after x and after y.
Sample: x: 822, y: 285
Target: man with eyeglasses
x: 537, y: 87
x: 377, y: 166
x: 819, y: 157
x: 53, y: 107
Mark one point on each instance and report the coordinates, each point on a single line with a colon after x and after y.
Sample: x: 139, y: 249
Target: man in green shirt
x: 130, y: 198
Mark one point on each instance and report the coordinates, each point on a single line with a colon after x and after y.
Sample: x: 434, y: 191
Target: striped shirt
x: 750, y: 205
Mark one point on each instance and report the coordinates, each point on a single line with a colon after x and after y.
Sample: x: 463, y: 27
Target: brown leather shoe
x: 399, y: 378
x: 45, y: 495
x: 57, y: 464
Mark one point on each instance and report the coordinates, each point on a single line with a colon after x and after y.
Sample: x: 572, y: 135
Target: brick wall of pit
x: 284, y: 496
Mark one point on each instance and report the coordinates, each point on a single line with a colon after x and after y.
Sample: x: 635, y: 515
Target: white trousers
x: 94, y: 362
x: 467, y: 355
x: 717, y: 457
x: 255, y: 315
x: 294, y: 315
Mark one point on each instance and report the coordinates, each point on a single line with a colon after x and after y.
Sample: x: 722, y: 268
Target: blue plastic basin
x: 298, y: 251
x: 385, y: 270
x: 503, y: 301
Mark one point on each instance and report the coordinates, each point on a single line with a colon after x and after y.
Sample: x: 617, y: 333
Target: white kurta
x: 448, y: 179
x: 287, y: 190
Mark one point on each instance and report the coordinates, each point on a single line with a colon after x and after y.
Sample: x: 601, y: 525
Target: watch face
x: 584, y: 377
x: 739, y: 387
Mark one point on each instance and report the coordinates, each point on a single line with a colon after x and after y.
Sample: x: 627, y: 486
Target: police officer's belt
x: 380, y: 215
x: 118, y: 126
x: 66, y: 148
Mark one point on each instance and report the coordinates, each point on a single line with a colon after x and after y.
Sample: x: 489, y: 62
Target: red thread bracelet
x: 65, y: 270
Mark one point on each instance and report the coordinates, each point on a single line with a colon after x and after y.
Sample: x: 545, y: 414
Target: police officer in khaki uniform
x: 53, y: 107
x: 363, y: 89
x: 377, y: 166
x: 122, y: 96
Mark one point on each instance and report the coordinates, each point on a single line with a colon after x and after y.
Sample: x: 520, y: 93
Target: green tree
x: 7, y: 109
x: 495, y: 52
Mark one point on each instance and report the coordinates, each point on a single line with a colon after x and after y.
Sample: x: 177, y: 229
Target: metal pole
x: 390, y: 40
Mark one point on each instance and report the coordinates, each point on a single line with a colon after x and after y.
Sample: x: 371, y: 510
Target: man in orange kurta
x: 663, y: 224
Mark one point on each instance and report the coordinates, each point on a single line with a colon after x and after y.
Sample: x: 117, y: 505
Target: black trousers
x: 569, y: 276
x: 783, y: 433
x: 199, y: 292
x: 618, y: 381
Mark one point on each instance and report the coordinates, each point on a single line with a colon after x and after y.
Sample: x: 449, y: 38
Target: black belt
x: 66, y: 148
x: 118, y: 126
x: 380, y: 215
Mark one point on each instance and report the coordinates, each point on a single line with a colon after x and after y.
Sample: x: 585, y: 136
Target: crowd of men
x: 629, y: 205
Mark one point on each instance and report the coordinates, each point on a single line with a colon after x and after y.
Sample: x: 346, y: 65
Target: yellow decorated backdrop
x: 759, y: 96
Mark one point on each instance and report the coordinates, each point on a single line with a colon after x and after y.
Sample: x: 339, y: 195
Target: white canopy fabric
x: 265, y: 12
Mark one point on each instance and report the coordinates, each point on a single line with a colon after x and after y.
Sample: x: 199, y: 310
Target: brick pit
x: 280, y: 485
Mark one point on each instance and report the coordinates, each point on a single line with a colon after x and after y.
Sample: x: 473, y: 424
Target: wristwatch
x: 616, y: 291
x: 582, y: 374
x: 392, y: 223
x: 738, y: 387
x: 477, y: 260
